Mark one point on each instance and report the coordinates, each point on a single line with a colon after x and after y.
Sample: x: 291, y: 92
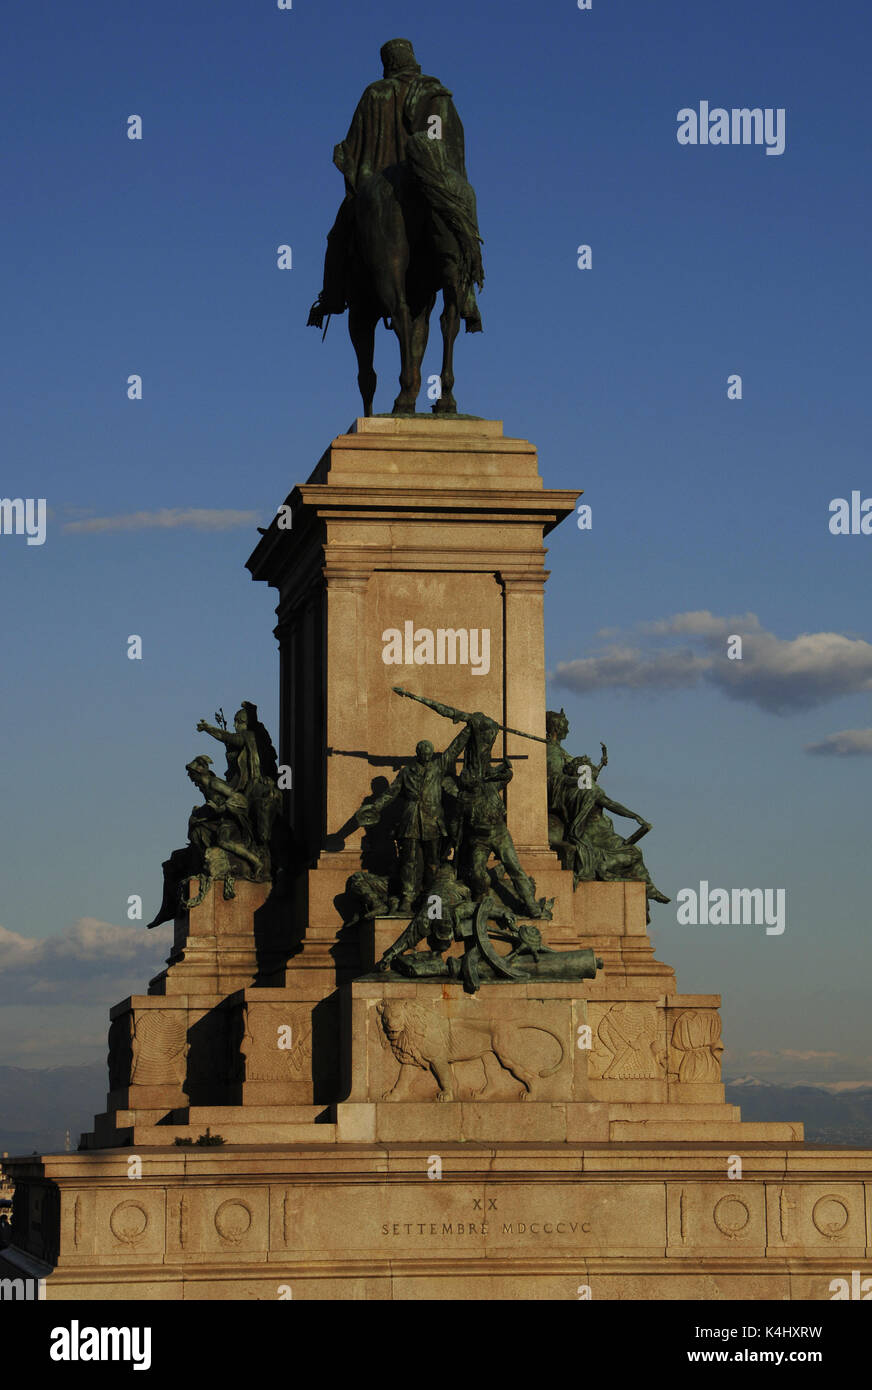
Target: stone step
x: 745, y: 1131
x: 542, y: 1122
x: 673, y: 1111
x: 126, y: 1114
x: 256, y: 1124
x: 105, y: 1138
x: 253, y: 1114
x: 208, y: 1115
x: 153, y: 1136
x: 426, y: 1122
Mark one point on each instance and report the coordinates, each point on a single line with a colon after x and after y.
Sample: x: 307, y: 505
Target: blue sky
x: 159, y: 258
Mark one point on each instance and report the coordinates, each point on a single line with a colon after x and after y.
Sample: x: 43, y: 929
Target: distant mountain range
x: 38, y: 1105
x: 830, y: 1116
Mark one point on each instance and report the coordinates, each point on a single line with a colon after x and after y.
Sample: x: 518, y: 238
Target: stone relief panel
x: 811, y: 1214
x: 128, y: 1223
x: 276, y: 1042
x: 469, y: 1057
x: 732, y: 1216
x: 231, y: 1220
x: 159, y: 1047
x: 696, y: 1048
x: 830, y: 1216
x: 728, y: 1216
x: 129, y: 1226
x: 627, y: 1042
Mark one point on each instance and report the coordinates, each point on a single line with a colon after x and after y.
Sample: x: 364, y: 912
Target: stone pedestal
x: 516, y: 1219
x: 390, y: 1138
x: 437, y: 523
x: 539, y: 1061
x: 224, y: 943
x: 228, y: 1031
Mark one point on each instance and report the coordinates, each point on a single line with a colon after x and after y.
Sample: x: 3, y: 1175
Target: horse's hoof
x: 446, y: 405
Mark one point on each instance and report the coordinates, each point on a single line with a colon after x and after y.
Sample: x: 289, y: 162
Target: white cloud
x: 629, y: 668
x: 84, y: 963
x: 701, y: 623
x: 15, y: 949
x: 848, y: 743
x: 168, y: 518
x: 779, y: 675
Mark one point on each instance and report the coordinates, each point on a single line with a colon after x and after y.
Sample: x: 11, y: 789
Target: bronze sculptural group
x: 578, y: 827
x: 407, y: 228
x: 451, y: 826
x: 236, y: 832
x: 480, y: 828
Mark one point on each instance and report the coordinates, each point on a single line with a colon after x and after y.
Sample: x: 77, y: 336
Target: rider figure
x: 394, y: 126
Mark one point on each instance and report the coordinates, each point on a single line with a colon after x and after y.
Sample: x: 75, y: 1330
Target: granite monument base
x: 510, y: 1220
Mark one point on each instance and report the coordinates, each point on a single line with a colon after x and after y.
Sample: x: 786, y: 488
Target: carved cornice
x: 376, y: 500
x: 522, y: 581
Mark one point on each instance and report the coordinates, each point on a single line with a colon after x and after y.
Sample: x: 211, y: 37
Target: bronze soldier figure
x: 484, y: 830
x: 578, y: 827
x: 421, y: 829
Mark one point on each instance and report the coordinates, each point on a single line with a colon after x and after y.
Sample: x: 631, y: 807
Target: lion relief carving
x: 421, y: 1038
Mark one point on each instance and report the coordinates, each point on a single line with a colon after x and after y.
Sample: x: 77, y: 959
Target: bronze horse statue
x: 406, y: 230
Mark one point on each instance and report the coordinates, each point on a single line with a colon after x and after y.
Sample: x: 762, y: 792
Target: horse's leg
x: 385, y: 251
x: 420, y: 334
x: 449, y: 320
x: 390, y: 293
x: 410, y: 377
x: 361, y: 327
x: 396, y: 290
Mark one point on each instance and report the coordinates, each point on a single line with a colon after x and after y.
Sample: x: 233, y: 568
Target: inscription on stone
x: 483, y: 1228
